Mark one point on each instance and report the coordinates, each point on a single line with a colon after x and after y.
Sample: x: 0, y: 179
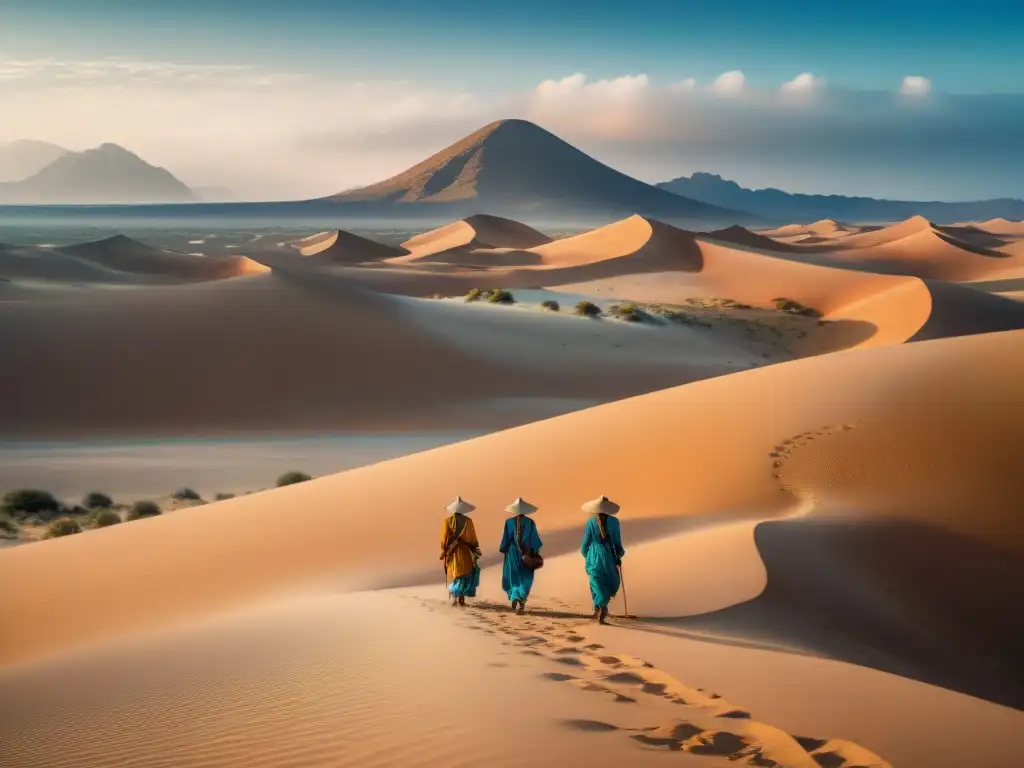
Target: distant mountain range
x: 516, y: 168
x: 24, y: 158
x: 107, y: 174
x: 785, y: 207
x: 510, y: 168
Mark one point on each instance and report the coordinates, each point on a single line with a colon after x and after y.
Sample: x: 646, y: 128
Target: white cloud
x: 805, y: 82
x: 730, y: 83
x: 915, y: 85
x: 612, y: 108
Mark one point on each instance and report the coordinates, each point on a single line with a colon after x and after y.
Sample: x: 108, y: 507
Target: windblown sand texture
x: 824, y: 543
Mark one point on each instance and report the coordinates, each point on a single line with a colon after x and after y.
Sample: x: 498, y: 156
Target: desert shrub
x: 588, y: 309
x: 223, y: 496
x: 62, y: 526
x: 9, y: 528
x: 27, y: 502
x: 551, y: 305
x: 475, y: 294
x: 141, y: 509
x: 291, y: 478
x: 627, y: 312
x: 498, y: 296
x: 795, y: 307
x: 105, y: 517
x: 186, y: 494
x: 97, y: 500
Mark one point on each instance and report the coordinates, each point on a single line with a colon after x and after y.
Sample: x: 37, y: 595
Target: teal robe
x: 516, y: 579
x: 602, y: 556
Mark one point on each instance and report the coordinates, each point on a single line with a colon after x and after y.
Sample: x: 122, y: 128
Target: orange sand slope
x: 639, y: 259
x: 302, y: 349
x: 477, y: 240
x: 341, y: 247
x: 908, y: 451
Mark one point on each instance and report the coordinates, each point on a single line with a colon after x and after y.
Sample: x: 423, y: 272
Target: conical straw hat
x: 521, y: 507
x: 460, y: 507
x: 602, y: 504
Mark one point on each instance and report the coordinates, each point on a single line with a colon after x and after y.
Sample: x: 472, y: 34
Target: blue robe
x: 600, y: 558
x: 465, y: 586
x: 516, y: 579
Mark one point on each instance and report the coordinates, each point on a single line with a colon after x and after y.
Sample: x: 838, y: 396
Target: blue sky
x: 962, y: 47
x: 284, y: 98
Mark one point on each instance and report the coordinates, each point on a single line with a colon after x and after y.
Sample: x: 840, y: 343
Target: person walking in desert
x: 603, y: 552
x: 460, y: 550
x: 520, y: 544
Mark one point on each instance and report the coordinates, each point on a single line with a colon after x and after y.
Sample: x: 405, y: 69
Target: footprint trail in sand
x: 682, y: 718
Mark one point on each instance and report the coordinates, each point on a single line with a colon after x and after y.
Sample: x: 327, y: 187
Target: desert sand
x: 824, y: 545
x: 828, y: 461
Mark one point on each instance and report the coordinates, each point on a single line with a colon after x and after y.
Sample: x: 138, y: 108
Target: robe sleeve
x: 588, y: 538
x: 506, y: 541
x: 470, y: 535
x: 444, y: 536
x: 616, y: 535
x: 535, y: 542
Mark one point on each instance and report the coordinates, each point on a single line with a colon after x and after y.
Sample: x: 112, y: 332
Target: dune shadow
x: 899, y: 596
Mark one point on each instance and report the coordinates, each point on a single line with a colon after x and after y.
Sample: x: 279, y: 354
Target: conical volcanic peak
x: 513, y: 165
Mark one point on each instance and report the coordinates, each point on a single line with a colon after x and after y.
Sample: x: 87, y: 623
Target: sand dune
x: 40, y: 263
x: 479, y: 240
x: 341, y: 247
x: 813, y: 545
x: 826, y: 229
x: 1002, y: 227
x: 123, y: 254
x: 278, y: 352
x: 744, y: 237
x: 901, y: 462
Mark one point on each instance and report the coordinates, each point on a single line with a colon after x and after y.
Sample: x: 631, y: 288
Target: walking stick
x: 625, y: 601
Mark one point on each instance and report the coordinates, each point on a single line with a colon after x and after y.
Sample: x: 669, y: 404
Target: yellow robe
x: 460, y: 560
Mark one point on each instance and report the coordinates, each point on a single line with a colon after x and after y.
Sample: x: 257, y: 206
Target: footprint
x: 594, y: 726
x: 721, y: 743
x: 560, y: 677
x: 571, y: 661
x: 671, y: 737
x: 735, y: 714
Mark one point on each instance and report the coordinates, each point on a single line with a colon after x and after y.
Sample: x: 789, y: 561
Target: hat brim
x: 460, y: 508
x: 601, y: 506
x: 524, y: 508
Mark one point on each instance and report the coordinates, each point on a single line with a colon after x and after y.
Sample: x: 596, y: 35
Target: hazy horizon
x: 896, y: 104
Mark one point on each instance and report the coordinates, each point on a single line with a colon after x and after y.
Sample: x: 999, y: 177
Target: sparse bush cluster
x: 495, y: 296
x: 9, y: 528
x: 498, y: 296
x: 97, y: 500
x: 588, y: 309
x: 626, y: 312
x: 105, y: 517
x: 291, y: 478
x: 794, y: 307
x: 550, y: 305
x: 30, y: 503
x: 143, y: 509
x: 62, y: 526
x: 34, y: 507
